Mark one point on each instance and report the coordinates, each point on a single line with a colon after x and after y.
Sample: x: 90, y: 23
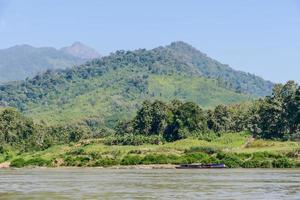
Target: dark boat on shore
x: 201, y: 166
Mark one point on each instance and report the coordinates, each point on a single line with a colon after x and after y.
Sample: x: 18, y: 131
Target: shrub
x: 266, y: 164
x: 155, y: 159
x: 207, y: 136
x: 106, y: 162
x: 207, y: 150
x: 2, y: 150
x: 131, y: 160
x: 78, y: 151
x: 38, y: 162
x: 260, y: 143
x: 251, y: 163
x: 230, y: 160
x: 196, y: 158
x: 283, y: 163
x: 19, y: 162
x: 130, y: 139
x: 76, y: 160
x: 265, y: 154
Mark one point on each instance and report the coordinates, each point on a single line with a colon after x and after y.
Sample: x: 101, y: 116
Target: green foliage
x: 19, y: 162
x: 230, y: 160
x: 23, y: 134
x: 113, y: 87
x: 15, y: 129
x: 279, y: 113
x: 106, y: 162
x: 274, y: 117
x: 132, y: 160
x: 79, y: 160
x: 37, y: 162
x: 207, y: 150
x: 129, y: 139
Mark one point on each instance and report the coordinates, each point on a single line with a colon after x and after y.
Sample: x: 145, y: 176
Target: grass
x: 230, y: 148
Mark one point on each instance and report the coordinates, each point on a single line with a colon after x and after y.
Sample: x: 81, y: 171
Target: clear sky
x: 257, y: 36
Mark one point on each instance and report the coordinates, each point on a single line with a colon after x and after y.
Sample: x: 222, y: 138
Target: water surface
x: 95, y: 183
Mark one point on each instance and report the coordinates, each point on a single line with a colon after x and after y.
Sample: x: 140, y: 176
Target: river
x: 95, y: 183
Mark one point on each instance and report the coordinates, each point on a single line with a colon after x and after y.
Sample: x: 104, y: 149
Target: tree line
x: 23, y: 134
x: 274, y: 117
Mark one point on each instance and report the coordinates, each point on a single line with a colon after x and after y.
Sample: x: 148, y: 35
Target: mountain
x: 79, y: 50
x: 22, y: 61
x: 111, y: 88
x: 228, y: 77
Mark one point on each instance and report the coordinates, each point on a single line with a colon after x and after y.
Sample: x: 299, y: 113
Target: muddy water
x: 93, y: 183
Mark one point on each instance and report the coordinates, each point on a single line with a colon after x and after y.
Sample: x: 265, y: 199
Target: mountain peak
x: 180, y: 45
x: 81, y: 50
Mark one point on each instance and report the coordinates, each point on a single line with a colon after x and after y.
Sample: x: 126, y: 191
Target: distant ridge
x: 82, y: 51
x: 22, y: 61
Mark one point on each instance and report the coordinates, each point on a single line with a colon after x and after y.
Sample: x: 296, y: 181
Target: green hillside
x: 111, y: 104
x: 112, y: 88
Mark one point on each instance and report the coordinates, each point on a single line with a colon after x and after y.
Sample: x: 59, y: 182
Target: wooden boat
x: 201, y: 166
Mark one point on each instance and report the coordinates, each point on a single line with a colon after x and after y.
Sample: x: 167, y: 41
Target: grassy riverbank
x: 235, y: 150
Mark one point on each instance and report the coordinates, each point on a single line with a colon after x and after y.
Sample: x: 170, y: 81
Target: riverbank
x: 6, y: 165
x: 234, y: 150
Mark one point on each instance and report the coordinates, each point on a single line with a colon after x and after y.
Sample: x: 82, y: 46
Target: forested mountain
x: 112, y: 88
x: 226, y: 76
x: 22, y: 61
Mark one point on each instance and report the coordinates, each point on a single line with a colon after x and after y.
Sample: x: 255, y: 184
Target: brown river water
x: 96, y: 183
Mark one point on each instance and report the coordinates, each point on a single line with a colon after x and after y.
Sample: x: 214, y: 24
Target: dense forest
x: 273, y: 117
x: 111, y: 88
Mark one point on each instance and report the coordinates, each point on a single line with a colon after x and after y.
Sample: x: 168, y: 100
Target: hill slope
x: 228, y: 77
x: 112, y: 88
x: 22, y: 61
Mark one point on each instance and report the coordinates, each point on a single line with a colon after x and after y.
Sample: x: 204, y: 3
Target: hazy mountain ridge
x: 22, y: 61
x: 82, y: 51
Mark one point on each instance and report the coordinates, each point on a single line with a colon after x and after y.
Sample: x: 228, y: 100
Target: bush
x: 135, y: 140
x: 19, y: 162
x: 78, y: 151
x: 106, y: 162
x: 251, y: 163
x: 131, y: 160
x: 196, y: 158
x: 265, y: 154
x: 76, y: 160
x: 266, y: 164
x: 230, y: 160
x: 155, y: 159
x: 283, y: 163
x: 207, y: 150
x: 2, y: 150
x: 37, y: 162
x: 207, y: 136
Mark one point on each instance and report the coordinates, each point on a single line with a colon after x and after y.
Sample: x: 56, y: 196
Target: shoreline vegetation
x: 235, y: 150
x: 264, y: 133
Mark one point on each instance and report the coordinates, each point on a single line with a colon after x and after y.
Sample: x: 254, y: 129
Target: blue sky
x: 257, y: 36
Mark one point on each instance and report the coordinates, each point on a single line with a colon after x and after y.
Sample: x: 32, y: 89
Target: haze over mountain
x: 22, y: 61
x: 82, y: 51
x: 112, y: 87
